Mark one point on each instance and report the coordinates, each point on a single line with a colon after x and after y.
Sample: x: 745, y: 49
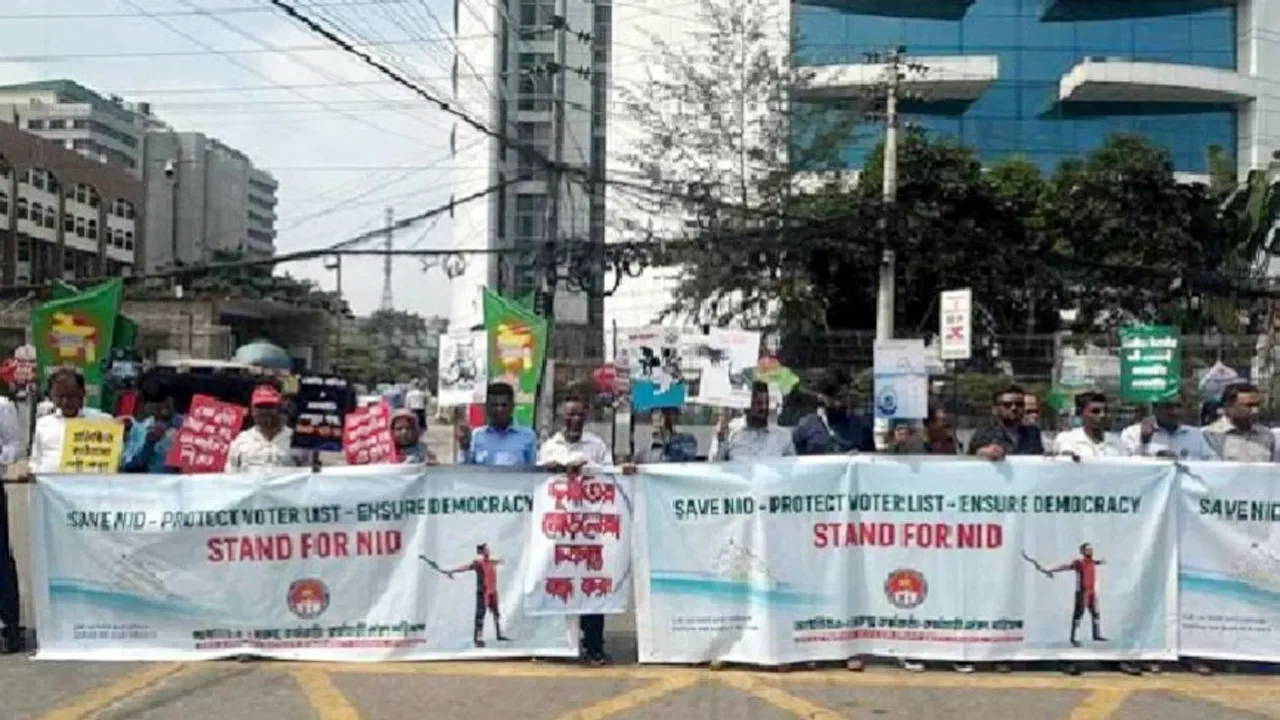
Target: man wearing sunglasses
x: 1007, y: 434
x: 1090, y: 440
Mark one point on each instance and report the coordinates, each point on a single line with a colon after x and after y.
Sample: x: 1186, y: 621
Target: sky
x: 343, y: 142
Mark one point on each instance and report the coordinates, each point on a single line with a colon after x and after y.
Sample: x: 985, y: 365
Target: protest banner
x: 580, y: 545
x: 366, y: 436
x: 1229, y: 562
x: 367, y: 564
x: 202, y: 443
x: 937, y: 559
x: 322, y: 402
x: 91, y: 446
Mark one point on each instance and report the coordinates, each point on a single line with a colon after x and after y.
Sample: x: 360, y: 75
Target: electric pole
x: 885, y: 290
x: 388, y: 302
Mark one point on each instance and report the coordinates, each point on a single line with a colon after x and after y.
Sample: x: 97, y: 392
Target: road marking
x: 778, y: 698
x: 98, y: 699
x: 633, y: 699
x: 325, y: 698
x: 1100, y: 704
x: 526, y: 670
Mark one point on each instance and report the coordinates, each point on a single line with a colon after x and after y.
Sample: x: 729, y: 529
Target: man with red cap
x: 268, y: 444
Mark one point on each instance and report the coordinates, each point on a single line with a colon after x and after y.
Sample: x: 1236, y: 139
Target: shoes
x: 855, y: 664
x: 12, y: 642
x: 911, y: 665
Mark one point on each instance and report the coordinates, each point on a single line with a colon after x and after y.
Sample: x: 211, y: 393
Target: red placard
x: 366, y: 436
x: 202, y: 442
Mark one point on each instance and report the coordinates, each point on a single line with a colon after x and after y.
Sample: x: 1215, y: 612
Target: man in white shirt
x: 66, y: 389
x: 1163, y: 435
x: 268, y: 444
x: 756, y: 437
x: 415, y: 401
x: 10, y: 601
x: 1090, y: 439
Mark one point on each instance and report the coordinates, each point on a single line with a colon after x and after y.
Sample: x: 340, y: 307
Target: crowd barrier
x: 768, y: 563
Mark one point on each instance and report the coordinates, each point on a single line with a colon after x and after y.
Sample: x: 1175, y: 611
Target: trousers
x: 10, y: 601
x: 592, y: 627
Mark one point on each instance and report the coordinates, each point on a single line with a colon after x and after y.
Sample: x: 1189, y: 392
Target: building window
x: 81, y: 194
x: 37, y: 213
x: 80, y: 123
x: 127, y: 207
x: 94, y: 200
x: 68, y: 223
x: 69, y: 260
x: 51, y: 218
x: 25, y: 178
x: 4, y: 204
x: 37, y: 179
x: 58, y: 124
x: 118, y: 238
x: 23, y: 213
x: 535, y: 82
x: 35, y: 124
x: 91, y: 229
x: 24, y: 249
x: 128, y: 240
x: 531, y: 217
x: 52, y: 183
x: 79, y: 227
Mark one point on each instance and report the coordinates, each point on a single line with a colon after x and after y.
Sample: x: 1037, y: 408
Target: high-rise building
x: 64, y: 216
x: 503, y: 77
x: 106, y: 129
x: 1051, y: 79
x: 204, y: 198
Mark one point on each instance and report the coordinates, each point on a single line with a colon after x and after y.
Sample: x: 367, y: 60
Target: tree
x: 715, y: 142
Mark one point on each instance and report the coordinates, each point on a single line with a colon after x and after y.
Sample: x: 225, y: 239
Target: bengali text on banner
x: 963, y: 560
x: 376, y: 563
x: 1229, y: 562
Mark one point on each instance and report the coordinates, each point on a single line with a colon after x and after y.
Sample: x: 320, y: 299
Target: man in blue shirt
x: 148, y: 442
x: 834, y: 429
x: 500, y: 443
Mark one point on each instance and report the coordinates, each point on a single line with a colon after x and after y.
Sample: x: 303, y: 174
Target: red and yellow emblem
x: 308, y: 598
x: 906, y: 588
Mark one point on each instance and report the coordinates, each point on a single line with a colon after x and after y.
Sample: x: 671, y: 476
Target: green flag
x: 78, y: 331
x: 517, y: 341
x: 528, y: 301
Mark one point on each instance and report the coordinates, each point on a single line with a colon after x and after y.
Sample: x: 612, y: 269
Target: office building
x: 501, y: 78
x: 1044, y: 79
x: 106, y: 129
x: 222, y: 202
x: 62, y: 215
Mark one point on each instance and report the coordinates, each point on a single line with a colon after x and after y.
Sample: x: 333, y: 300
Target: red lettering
x: 854, y: 535
x: 597, y: 586
x: 577, y: 490
x: 561, y: 588
x: 249, y: 548
x: 555, y: 524
x: 324, y: 544
x: 214, y: 547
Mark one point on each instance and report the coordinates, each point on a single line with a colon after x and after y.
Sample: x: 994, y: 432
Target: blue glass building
x: 1037, y: 45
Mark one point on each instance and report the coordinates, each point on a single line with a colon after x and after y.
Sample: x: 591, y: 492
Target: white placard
x: 901, y: 380
x: 955, y: 314
x: 462, y: 370
x: 725, y: 358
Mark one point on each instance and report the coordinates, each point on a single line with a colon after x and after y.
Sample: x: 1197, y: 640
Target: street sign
x: 956, y: 317
x: 1150, y: 364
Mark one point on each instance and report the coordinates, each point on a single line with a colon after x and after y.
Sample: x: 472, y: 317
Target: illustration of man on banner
x: 485, y: 566
x: 1086, y: 569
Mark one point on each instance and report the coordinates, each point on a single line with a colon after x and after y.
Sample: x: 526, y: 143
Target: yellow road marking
x: 325, y: 698
x: 633, y: 699
x: 1266, y: 704
x: 98, y: 699
x: 1100, y: 704
x: 778, y: 698
x: 526, y: 670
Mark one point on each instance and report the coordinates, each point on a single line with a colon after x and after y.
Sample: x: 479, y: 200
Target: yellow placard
x: 92, y: 446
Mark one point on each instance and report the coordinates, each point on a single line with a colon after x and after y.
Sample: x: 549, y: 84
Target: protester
x: 1236, y: 436
x: 1090, y: 440
x: 410, y: 449
x: 570, y: 450
x: 756, y: 438
x: 833, y: 428
x: 1031, y: 410
x: 501, y: 442
x: 902, y: 439
x: 939, y: 435
x: 462, y: 440
x: 1007, y: 434
x: 67, y: 390
x: 268, y: 444
x: 1163, y: 434
x: 415, y: 401
x: 667, y: 444
x: 148, y: 440
x: 11, y: 637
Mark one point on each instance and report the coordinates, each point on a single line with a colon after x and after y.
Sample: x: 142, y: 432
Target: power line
x: 67, y: 57
x: 234, y: 10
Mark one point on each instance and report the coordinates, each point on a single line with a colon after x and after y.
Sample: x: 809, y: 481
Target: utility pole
x: 885, y: 290
x: 387, y: 301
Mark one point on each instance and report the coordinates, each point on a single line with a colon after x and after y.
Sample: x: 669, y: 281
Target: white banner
x: 580, y: 546
x: 462, y: 371
x: 1229, y: 562
x: 727, y: 361
x: 351, y: 564
x: 939, y: 559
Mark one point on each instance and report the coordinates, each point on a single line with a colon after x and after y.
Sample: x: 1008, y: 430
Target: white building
x: 500, y: 79
x: 224, y: 204
x: 106, y: 129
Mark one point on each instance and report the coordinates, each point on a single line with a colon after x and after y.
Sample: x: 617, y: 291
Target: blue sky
x: 343, y: 143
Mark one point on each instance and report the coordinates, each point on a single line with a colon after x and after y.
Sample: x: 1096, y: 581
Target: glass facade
x: 1019, y: 112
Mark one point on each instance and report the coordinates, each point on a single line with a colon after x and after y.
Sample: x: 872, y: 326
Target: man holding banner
x: 67, y: 390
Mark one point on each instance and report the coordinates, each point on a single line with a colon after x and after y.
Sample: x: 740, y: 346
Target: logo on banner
x: 308, y: 598
x: 905, y: 589
x: 887, y: 402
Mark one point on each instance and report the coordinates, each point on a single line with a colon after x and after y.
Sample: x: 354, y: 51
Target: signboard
x: 348, y: 565
x: 901, y: 380
x: 204, y: 440
x: 727, y: 362
x: 821, y: 559
x: 654, y: 358
x: 955, y: 337
x: 91, y: 446
x: 366, y: 437
x: 321, y: 402
x: 1150, y: 364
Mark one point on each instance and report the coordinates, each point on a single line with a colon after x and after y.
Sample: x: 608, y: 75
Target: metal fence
x: 1034, y: 362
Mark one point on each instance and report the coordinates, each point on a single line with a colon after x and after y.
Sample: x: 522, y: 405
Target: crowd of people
x: 833, y: 428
